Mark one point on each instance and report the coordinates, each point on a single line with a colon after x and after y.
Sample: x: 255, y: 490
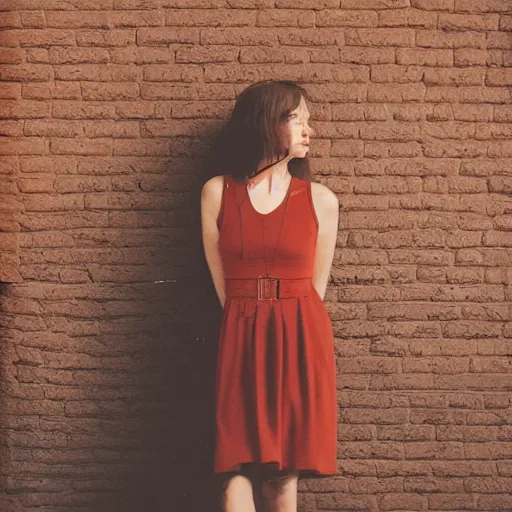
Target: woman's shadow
x: 175, y: 471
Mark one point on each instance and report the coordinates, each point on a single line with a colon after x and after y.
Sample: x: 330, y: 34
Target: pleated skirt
x: 276, y: 386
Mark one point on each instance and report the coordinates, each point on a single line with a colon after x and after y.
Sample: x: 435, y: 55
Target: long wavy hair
x: 254, y: 132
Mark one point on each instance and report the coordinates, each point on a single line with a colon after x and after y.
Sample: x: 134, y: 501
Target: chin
x: 302, y: 153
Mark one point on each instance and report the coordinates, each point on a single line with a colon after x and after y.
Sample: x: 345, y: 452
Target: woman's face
x: 297, y: 130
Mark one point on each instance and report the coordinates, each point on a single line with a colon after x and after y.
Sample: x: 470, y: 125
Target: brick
x: 470, y: 94
x: 367, y: 55
x: 102, y: 91
x: 331, y: 92
x: 499, y: 40
x: 134, y: 18
x: 68, y: 220
x: 282, y: 18
x: 22, y: 146
x: 26, y: 72
x: 141, y: 55
x: 392, y: 149
x: 306, y: 4
x: 114, y: 129
x: 396, y: 93
x: 440, y: 39
x: 41, y: 127
x: 193, y: 4
x: 59, y: 90
x: 33, y: 19
x: 503, y: 113
x: 308, y: 36
x: 389, y: 131
x: 173, y: 73
x: 82, y: 110
x: 242, y: 36
x: 424, y: 57
x: 48, y: 165
x: 168, y: 92
x: 11, y: 129
x: 470, y: 57
x: 57, y: 4
x: 498, y: 77
x: 407, y: 18
x: 46, y: 37
x: 109, y: 38
x: 141, y: 148
x: 393, y: 73
x: 78, y: 55
x: 38, y: 55
x: 212, y: 17
x: 36, y: 183
x: 379, y: 37
x: 138, y: 110
x: 345, y: 18
x: 80, y: 147
x: 505, y: 23
x: 449, y: 130
x: 135, y: 4
x: 97, y: 73
x: 167, y: 35
x: 67, y: 184
x: 10, y: 19
x: 478, y: 7
x: 468, y: 22
x: 11, y: 56
x: 470, y: 76
x: 434, y: 5
x: 47, y: 203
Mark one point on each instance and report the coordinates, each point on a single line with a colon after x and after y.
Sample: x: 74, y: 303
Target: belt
x: 268, y: 287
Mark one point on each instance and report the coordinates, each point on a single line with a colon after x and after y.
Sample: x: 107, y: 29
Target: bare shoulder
x: 324, y: 199
x: 212, y: 189
x: 211, y: 196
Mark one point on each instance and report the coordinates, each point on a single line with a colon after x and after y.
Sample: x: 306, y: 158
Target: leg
x: 237, y: 493
x: 279, y: 490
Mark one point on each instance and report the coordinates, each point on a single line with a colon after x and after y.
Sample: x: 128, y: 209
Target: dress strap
x: 239, y: 192
x: 225, y: 186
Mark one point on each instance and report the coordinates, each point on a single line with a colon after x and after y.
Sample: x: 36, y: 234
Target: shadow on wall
x: 173, y: 467
x: 5, y: 346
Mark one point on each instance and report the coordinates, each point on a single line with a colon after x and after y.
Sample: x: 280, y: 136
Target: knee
x: 277, y: 485
x: 232, y: 484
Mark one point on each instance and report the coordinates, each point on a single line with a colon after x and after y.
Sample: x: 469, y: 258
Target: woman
x: 269, y: 235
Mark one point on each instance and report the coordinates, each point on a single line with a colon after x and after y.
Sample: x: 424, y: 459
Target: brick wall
x: 108, y: 324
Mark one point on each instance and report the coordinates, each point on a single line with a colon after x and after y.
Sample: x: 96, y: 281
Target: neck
x: 276, y: 172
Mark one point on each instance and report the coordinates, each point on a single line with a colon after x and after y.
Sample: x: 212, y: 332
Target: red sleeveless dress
x: 276, y: 375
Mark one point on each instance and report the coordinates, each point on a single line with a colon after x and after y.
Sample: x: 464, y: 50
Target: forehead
x: 302, y: 107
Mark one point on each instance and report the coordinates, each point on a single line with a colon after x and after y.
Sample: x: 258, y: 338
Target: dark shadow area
x: 173, y: 468
x: 4, y: 449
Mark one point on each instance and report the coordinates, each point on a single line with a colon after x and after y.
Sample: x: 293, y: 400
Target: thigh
x: 270, y: 474
x: 245, y: 469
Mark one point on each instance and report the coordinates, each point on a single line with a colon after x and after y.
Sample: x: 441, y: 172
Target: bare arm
x: 211, y: 198
x: 326, y: 206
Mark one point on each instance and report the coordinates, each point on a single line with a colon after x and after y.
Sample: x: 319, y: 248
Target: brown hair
x: 253, y: 132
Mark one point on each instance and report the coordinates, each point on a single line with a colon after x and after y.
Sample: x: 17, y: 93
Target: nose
x: 307, y: 130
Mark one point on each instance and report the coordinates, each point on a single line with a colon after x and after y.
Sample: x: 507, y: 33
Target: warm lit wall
x: 107, y: 108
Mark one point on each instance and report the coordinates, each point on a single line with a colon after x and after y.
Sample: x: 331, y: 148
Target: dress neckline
x: 280, y: 205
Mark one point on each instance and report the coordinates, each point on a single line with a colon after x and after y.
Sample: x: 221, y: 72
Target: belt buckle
x: 268, y: 288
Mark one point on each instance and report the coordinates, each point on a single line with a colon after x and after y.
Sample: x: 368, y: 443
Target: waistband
x: 268, y: 287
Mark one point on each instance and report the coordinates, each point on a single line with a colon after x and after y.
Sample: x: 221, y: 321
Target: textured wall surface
x: 108, y: 320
